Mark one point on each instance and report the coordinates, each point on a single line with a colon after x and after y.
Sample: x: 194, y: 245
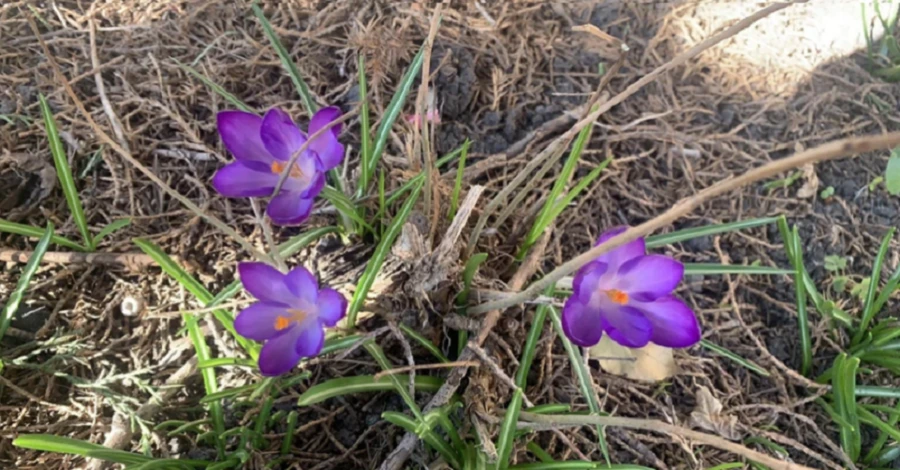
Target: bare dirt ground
x: 500, y: 70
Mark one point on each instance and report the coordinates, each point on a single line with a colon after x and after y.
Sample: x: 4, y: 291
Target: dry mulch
x: 499, y: 72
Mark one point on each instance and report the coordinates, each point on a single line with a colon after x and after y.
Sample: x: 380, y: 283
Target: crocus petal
x: 303, y: 285
x: 674, y: 323
x: 315, y: 186
x: 581, y: 323
x: 327, y: 146
x: 332, y: 306
x: 587, y: 280
x: 628, y: 327
x: 265, y: 283
x: 310, y: 341
x: 289, y: 208
x: 620, y: 255
x: 280, y: 135
x: 279, y: 355
x: 323, y: 117
x: 240, y: 133
x: 240, y: 180
x: 649, y: 277
x: 257, y: 322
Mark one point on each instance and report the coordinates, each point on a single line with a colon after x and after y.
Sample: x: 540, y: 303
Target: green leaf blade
x: 31, y: 267
x: 363, y: 384
x: 289, y: 65
x: 64, y: 173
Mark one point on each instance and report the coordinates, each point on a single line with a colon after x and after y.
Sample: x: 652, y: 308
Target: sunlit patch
x: 617, y: 296
x: 278, y: 167
x: 281, y: 323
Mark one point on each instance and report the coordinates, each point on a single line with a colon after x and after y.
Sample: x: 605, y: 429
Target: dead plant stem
x: 539, y: 422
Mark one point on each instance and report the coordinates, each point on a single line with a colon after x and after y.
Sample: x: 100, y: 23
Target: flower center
x: 617, y: 296
x: 293, y: 315
x: 278, y: 167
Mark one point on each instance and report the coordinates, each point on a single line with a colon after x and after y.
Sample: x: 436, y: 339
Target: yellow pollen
x: 617, y: 296
x: 281, y: 323
x: 278, y: 167
x: 294, y: 315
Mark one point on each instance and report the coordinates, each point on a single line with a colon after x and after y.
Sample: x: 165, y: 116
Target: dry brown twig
x: 132, y: 261
x: 830, y: 151
x: 541, y: 422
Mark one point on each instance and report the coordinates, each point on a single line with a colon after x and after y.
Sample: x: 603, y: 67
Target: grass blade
x: 381, y: 251
x: 215, y: 87
x: 545, y: 216
x: 462, y: 299
x: 363, y: 384
x: 64, y: 173
x: 431, y: 347
x: 112, y: 228
x: 299, y: 83
x: 65, y: 445
x: 436, y: 443
x: 534, y: 335
x: 796, y: 256
x: 538, y: 452
x: 365, y: 145
x: 457, y: 186
x: 584, y: 378
x: 378, y: 354
x: 888, y: 290
x: 735, y: 357
x: 657, y: 241
x: 15, y: 297
x: 715, y: 268
x: 194, y: 287
x: 345, y: 206
x: 506, y: 437
x: 823, y: 305
x: 870, y: 302
x: 210, y: 383
x: 34, y: 232
x: 390, y: 115
x: 869, y: 418
x: 843, y: 385
x: 289, y: 433
x: 229, y: 393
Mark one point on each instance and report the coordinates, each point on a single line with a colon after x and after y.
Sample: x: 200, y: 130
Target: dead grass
x: 499, y: 72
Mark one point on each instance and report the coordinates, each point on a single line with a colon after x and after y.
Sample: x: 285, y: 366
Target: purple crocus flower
x: 263, y: 146
x: 628, y: 294
x: 290, y: 316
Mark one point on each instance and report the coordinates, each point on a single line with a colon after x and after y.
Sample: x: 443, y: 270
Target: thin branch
x: 546, y: 422
x: 830, y: 151
x: 132, y: 261
x: 296, y: 155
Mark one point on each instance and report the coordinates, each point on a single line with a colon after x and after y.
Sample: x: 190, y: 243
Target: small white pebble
x: 131, y: 306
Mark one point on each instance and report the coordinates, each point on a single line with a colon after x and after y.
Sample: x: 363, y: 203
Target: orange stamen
x: 617, y: 296
x: 277, y: 167
x: 281, y: 323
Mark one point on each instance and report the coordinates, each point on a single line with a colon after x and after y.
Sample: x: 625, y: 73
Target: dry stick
x: 829, y: 151
x: 215, y: 222
x: 546, y: 422
x: 101, y: 89
x: 120, y: 433
x: 267, y: 234
x: 132, y: 261
x: 294, y: 156
x: 439, y: 365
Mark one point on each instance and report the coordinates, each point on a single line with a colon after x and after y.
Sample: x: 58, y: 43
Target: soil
x: 499, y: 72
